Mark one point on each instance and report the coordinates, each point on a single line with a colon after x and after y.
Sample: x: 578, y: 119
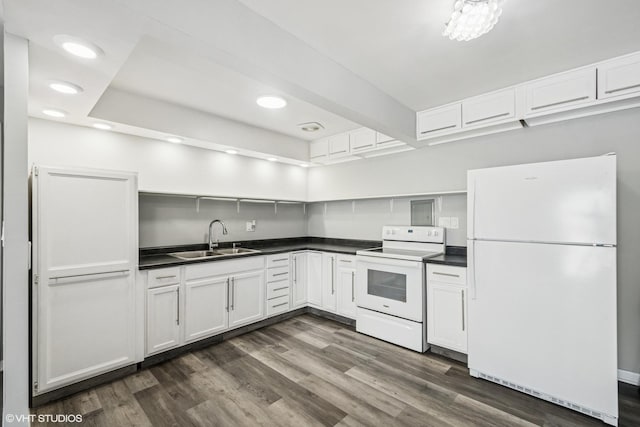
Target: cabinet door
x: 246, y: 298
x: 347, y: 292
x: 489, y: 109
x: 314, y: 278
x: 299, y: 284
x: 205, y: 307
x: 447, y: 316
x: 339, y: 145
x: 319, y: 150
x: 163, y: 318
x: 560, y: 92
x: 381, y: 138
x: 619, y: 77
x: 439, y: 121
x: 329, y: 282
x: 362, y: 139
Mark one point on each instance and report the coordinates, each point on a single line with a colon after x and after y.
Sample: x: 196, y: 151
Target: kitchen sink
x: 189, y: 255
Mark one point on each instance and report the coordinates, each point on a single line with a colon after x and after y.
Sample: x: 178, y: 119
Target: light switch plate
x: 251, y: 225
x: 444, y: 221
x: 455, y: 223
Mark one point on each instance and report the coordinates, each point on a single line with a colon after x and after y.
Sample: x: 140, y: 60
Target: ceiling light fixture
x: 231, y: 152
x: 272, y: 159
x: 174, y: 140
x: 78, y: 47
x: 310, y: 126
x: 102, y: 126
x: 65, y: 87
x: 271, y: 102
x: 304, y: 165
x: 472, y: 18
x: 58, y: 114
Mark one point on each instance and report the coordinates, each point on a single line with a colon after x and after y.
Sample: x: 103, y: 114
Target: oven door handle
x: 379, y: 261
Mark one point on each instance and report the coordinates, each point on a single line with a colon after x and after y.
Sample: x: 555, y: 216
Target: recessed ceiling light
x: 102, y: 126
x: 231, y: 152
x: 65, y: 87
x: 58, y: 114
x: 174, y: 139
x: 304, y: 165
x: 272, y: 102
x: 310, y: 126
x: 272, y: 159
x: 78, y: 47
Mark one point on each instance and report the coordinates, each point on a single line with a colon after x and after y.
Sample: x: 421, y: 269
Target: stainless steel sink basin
x: 189, y: 255
x: 235, y: 251
x: 195, y: 254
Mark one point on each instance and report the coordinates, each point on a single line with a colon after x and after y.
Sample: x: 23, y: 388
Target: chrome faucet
x: 224, y: 231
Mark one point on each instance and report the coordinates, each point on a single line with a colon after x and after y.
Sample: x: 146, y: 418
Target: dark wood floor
x: 308, y: 371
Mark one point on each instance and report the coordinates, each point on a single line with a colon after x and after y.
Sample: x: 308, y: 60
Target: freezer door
x: 569, y: 201
x: 544, y: 317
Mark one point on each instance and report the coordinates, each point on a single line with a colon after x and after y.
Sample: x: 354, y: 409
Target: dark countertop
x: 455, y: 256
x: 151, y: 258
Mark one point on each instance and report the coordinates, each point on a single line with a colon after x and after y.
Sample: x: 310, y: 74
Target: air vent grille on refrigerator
x: 544, y: 396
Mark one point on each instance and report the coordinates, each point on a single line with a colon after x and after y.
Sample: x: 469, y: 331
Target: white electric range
x: 391, y: 288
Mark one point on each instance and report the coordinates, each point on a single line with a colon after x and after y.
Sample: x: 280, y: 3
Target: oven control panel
x: 413, y: 234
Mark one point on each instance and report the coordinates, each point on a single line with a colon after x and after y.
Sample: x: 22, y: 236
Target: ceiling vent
x: 310, y: 126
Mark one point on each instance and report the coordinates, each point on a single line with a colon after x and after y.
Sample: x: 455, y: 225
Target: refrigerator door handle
x: 471, y: 276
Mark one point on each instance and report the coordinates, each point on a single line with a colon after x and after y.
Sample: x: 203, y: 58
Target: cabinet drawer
x: 278, y: 260
x: 560, y: 92
x: 278, y: 305
x: 447, y: 274
x: 278, y: 274
x: 347, y: 261
x: 439, y: 121
x: 277, y: 289
x: 488, y: 109
x: 163, y: 277
x: 619, y: 77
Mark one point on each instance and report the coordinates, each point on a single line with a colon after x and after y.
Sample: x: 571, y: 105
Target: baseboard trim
x: 629, y: 377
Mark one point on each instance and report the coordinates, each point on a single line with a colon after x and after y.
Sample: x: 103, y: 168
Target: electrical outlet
x: 455, y: 223
x: 251, y: 225
x: 445, y: 222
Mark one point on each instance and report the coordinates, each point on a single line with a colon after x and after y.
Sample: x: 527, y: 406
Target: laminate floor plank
x: 311, y: 371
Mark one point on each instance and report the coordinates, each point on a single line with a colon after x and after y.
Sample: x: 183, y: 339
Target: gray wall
x: 166, y: 221
x: 443, y: 168
x: 365, y: 219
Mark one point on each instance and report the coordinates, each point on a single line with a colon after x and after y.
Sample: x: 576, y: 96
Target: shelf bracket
x: 304, y: 209
x: 275, y: 207
x: 238, y: 206
x: 198, y: 204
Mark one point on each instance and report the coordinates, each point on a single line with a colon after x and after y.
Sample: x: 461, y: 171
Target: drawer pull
x: 437, y: 129
x: 280, y: 274
x: 620, y: 89
x: 279, y: 305
x: 166, y: 277
x: 495, y: 116
x: 446, y: 274
x: 553, y: 104
x: 280, y: 259
x: 346, y: 260
x: 279, y: 289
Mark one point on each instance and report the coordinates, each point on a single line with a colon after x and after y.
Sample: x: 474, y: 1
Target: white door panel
x: 572, y: 201
x: 246, y: 299
x: 544, y: 316
x: 205, y: 308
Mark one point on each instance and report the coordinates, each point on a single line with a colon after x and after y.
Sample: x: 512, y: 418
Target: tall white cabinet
x: 85, y: 231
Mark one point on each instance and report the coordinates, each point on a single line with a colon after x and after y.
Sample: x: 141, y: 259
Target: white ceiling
x: 372, y: 62
x: 398, y: 46
x: 189, y: 80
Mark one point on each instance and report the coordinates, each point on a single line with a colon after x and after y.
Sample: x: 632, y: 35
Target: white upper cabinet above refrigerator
x: 619, y: 77
x: 489, y: 109
x: 560, y: 92
x: 562, y: 201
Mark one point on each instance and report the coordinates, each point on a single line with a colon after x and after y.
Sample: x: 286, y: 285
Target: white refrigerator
x: 542, y: 281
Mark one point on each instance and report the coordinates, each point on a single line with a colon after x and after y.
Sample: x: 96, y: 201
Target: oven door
x: 391, y: 286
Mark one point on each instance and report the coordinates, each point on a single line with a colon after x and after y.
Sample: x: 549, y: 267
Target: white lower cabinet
x: 299, y: 279
x: 246, y: 298
x: 447, y: 307
x: 314, y: 279
x: 163, y: 318
x: 329, y: 279
x: 346, y: 287
x: 205, y: 307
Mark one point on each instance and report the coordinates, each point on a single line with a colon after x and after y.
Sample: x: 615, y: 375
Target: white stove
x: 391, y: 285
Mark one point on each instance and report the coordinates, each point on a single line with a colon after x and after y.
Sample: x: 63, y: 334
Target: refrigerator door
x: 569, y: 201
x: 543, y: 317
